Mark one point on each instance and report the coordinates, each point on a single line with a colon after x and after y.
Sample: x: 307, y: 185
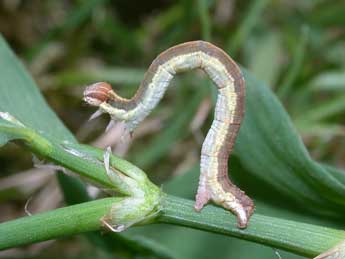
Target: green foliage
x: 297, y: 49
x: 21, y: 98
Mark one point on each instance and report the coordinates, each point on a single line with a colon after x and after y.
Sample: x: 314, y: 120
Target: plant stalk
x: 296, y: 237
x: 299, y: 238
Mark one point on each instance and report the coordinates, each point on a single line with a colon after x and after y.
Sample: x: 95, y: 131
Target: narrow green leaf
x: 204, y: 19
x: 251, y: 17
x: 296, y: 64
x: 266, y: 58
x: 323, y: 130
x: 323, y: 111
x: 328, y: 81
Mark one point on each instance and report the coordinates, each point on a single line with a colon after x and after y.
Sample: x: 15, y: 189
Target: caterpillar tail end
x: 234, y: 200
x: 240, y: 205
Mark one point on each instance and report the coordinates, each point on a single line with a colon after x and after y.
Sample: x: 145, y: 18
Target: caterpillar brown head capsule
x: 214, y: 183
x: 97, y: 93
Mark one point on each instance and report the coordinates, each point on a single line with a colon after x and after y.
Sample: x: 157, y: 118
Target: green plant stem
x: 299, y: 238
x: 54, y: 224
x: 55, y: 152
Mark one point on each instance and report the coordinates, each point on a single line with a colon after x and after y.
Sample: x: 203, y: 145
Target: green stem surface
x: 299, y: 238
x: 54, y: 224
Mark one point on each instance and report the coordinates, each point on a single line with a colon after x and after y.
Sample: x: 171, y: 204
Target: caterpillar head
x: 97, y: 93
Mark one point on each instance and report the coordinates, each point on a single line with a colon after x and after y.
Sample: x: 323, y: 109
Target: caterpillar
x: 214, y: 183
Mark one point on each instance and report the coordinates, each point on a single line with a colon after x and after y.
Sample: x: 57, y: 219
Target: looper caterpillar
x: 214, y: 183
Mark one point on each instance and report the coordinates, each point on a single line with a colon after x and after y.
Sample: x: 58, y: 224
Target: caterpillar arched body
x: 214, y: 183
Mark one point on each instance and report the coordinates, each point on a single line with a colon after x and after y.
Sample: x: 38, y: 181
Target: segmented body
x: 214, y: 183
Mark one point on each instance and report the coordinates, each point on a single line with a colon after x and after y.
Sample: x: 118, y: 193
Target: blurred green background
x: 295, y: 47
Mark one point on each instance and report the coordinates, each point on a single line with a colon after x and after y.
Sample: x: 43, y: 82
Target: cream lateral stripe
x: 214, y: 183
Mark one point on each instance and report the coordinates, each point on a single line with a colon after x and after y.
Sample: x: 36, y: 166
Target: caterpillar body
x: 214, y: 183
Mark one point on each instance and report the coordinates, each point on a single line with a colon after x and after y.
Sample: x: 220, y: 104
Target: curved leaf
x: 20, y: 97
x: 270, y: 149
